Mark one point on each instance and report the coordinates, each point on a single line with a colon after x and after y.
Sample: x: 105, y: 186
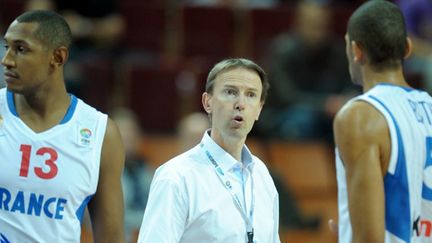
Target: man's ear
x: 206, y: 102
x: 60, y: 56
x: 358, y: 54
x: 408, y: 49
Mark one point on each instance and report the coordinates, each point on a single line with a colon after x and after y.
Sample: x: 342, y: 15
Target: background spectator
x: 309, y: 81
x: 137, y: 175
x: 190, y: 130
x: 2, y: 52
x: 418, y: 17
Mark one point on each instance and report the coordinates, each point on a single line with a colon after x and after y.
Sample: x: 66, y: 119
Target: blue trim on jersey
x: 427, y: 191
x: 3, y: 239
x: 408, y: 89
x: 66, y: 118
x: 397, y: 211
x: 11, y: 103
x: 71, y: 110
x: 80, y: 211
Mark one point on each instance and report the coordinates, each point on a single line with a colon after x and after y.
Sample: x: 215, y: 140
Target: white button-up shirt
x: 188, y: 202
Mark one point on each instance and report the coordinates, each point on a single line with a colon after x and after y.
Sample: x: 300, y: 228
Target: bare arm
x: 106, y: 207
x: 362, y: 137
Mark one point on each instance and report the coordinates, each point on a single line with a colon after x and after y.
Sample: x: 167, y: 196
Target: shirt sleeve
x: 166, y: 212
x: 276, y: 218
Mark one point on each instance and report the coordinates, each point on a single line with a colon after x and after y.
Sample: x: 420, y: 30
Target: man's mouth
x: 238, y: 119
x: 10, y: 74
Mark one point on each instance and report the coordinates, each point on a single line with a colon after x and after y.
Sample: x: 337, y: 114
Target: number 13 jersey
x: 47, y: 178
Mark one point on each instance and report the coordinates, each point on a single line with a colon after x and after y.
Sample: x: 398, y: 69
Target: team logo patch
x: 85, y: 133
x: 85, y: 137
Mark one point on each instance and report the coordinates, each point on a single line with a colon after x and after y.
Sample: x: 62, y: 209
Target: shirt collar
x: 223, y: 158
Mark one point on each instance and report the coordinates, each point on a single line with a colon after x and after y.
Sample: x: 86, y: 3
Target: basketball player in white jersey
x: 57, y: 154
x: 383, y: 137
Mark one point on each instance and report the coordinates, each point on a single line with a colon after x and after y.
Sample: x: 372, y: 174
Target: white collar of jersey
x: 223, y: 158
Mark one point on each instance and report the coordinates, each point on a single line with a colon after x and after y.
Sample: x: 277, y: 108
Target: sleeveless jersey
x: 47, y: 178
x: 408, y: 181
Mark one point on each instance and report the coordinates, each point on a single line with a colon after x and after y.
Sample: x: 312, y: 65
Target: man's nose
x: 240, y: 103
x: 7, y: 60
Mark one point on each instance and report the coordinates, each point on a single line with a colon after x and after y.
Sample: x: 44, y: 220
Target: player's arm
x: 106, y: 207
x: 362, y: 136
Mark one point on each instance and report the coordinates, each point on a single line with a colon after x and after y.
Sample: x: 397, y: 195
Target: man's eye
x: 21, y: 49
x: 230, y: 91
x: 252, y: 94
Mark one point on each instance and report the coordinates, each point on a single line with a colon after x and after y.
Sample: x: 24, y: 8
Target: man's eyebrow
x: 16, y: 42
x: 20, y: 42
x: 235, y: 87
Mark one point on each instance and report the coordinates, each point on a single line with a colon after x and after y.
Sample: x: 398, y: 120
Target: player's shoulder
x: 86, y: 109
x: 356, y: 110
x: 359, y: 119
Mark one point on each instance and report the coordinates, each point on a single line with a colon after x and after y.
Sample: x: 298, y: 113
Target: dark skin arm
x: 363, y: 141
x: 106, y: 207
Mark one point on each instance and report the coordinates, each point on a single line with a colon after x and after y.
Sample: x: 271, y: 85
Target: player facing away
x: 383, y: 137
x: 57, y: 154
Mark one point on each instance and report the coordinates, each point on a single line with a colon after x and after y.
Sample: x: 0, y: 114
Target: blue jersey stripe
x: 11, y: 103
x: 397, y: 212
x: 66, y: 118
x: 70, y: 110
x: 80, y: 211
x: 427, y: 191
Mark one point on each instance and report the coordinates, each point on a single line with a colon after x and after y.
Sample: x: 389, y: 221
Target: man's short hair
x: 233, y: 63
x: 378, y: 26
x: 53, y: 29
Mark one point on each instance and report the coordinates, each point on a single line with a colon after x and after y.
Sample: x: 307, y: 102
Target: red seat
x: 145, y: 26
x: 266, y: 24
x: 307, y: 168
x: 208, y: 32
x: 160, y: 95
x: 341, y: 15
x: 99, y: 83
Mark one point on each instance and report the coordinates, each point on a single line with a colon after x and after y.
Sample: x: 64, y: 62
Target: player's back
x: 408, y: 182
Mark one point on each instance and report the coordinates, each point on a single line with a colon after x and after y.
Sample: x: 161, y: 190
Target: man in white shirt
x: 218, y: 191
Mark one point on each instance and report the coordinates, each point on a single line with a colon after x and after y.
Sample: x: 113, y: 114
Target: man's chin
x: 239, y: 132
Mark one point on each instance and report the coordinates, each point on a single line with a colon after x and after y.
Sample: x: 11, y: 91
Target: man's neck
x: 231, y: 145
x: 41, y: 112
x: 372, y: 78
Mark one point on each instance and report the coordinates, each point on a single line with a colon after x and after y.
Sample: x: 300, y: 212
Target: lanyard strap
x: 227, y: 184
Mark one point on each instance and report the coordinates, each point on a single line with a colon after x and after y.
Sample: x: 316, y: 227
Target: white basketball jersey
x: 408, y: 182
x: 47, y: 178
